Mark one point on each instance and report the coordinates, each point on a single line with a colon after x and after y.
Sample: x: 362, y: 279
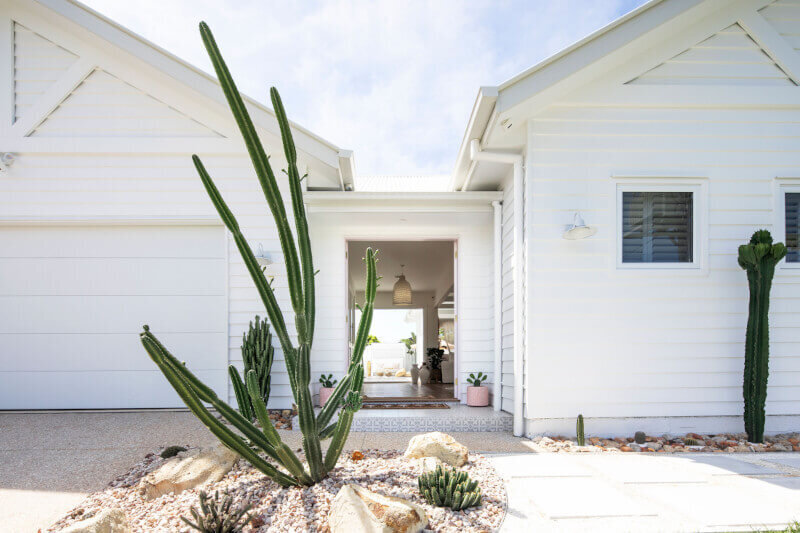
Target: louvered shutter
x: 657, y: 227
x: 792, y: 210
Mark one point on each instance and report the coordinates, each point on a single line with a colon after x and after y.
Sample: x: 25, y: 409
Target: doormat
x: 405, y: 406
x: 428, y: 398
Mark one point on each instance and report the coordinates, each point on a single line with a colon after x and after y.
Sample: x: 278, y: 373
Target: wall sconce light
x: 262, y: 258
x: 578, y: 229
x: 6, y: 160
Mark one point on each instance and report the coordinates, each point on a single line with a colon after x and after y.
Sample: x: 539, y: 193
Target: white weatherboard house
x: 674, y: 131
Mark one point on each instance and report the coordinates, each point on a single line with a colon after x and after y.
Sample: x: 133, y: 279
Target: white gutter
x: 476, y: 154
x: 498, y: 304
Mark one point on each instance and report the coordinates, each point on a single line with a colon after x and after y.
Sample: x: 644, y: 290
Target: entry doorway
x: 412, y: 351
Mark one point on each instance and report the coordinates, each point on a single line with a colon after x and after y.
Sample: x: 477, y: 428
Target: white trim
x: 781, y: 186
x: 55, y: 95
x: 773, y: 44
x: 401, y: 202
x: 700, y: 230
x: 497, y: 378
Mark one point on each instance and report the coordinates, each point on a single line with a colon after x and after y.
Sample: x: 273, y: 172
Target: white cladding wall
x: 667, y: 343
x: 152, y: 187
x: 508, y: 295
x: 473, y: 230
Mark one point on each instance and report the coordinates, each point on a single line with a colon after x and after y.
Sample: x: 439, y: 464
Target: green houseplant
x: 758, y: 258
x: 326, y: 389
x: 248, y: 439
x: 477, y: 393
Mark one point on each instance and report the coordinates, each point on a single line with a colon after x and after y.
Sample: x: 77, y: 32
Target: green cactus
x: 257, y: 354
x: 689, y: 441
x: 581, y: 436
x: 449, y: 487
x: 758, y: 258
x: 476, y: 381
x: 216, y: 515
x: 250, y: 439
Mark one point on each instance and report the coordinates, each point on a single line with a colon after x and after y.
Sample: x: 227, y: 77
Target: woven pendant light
x: 401, y: 294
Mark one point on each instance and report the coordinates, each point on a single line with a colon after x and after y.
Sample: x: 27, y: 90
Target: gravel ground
x: 692, y: 442
x: 296, y: 509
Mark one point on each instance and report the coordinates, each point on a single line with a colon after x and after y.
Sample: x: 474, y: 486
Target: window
x: 791, y: 212
x: 657, y: 227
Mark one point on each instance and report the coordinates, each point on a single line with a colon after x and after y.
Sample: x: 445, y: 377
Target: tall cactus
x: 300, y: 274
x: 257, y: 354
x: 580, y: 435
x: 758, y: 258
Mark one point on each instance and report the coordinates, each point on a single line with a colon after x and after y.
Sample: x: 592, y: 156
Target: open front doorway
x: 411, y: 356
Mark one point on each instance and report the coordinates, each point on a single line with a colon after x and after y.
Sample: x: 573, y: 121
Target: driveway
x: 50, y: 461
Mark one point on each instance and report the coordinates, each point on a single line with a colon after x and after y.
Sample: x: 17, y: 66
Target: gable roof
x: 198, y: 80
x: 556, y: 68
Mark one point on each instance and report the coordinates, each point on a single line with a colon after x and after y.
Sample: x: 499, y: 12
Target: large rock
x: 429, y: 464
x: 439, y: 445
x: 358, y: 510
x: 106, y: 521
x: 188, y: 470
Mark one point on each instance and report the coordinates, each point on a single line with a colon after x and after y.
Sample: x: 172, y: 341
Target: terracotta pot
x: 478, y: 396
x: 324, y: 394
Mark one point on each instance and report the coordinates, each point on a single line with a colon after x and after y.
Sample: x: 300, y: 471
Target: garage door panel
x: 73, y: 300
x: 91, y: 390
x: 60, y: 352
x: 112, y: 314
x: 132, y: 276
x: 111, y: 241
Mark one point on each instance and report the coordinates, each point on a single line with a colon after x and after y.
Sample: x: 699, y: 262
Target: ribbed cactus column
x: 250, y: 392
x: 758, y: 258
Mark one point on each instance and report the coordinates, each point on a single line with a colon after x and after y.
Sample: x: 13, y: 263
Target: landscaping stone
x: 358, y: 510
x: 106, y: 521
x: 188, y: 470
x: 439, y: 445
x: 428, y: 464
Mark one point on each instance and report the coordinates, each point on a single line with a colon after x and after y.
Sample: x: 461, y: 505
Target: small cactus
x: 328, y: 381
x: 449, y: 487
x: 689, y: 441
x: 579, y: 432
x: 639, y: 437
x: 216, y: 516
x: 476, y: 381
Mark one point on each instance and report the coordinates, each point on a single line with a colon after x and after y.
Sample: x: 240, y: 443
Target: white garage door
x: 73, y: 300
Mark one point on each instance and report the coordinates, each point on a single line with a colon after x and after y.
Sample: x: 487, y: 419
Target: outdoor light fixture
x: 6, y: 160
x: 262, y: 258
x: 578, y: 229
x: 401, y: 294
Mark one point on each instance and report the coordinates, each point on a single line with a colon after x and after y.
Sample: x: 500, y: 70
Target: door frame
x: 394, y: 238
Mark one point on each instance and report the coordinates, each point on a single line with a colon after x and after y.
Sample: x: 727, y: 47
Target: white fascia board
x: 409, y: 202
x: 186, y: 73
x: 479, y: 119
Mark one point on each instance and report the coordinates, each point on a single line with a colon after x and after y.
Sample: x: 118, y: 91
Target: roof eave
x: 479, y: 118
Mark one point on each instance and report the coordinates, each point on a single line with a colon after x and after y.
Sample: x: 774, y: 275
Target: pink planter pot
x: 478, y: 396
x: 324, y: 394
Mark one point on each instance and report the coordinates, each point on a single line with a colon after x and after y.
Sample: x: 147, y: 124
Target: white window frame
x: 698, y: 188
x: 782, y: 186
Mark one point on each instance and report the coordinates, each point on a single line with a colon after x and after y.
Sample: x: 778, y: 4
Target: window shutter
x: 657, y: 227
x: 792, y: 210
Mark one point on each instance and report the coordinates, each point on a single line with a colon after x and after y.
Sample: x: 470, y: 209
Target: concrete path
x: 50, y: 461
x: 650, y: 492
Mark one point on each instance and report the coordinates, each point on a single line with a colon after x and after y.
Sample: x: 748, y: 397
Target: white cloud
x: 392, y: 80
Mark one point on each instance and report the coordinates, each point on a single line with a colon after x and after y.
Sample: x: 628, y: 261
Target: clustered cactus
x: 257, y: 354
x: 759, y: 259
x: 216, y: 516
x: 449, y: 487
x: 581, y: 436
x: 346, y: 398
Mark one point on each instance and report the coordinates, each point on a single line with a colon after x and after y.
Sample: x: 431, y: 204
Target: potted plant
x: 327, y: 388
x: 477, y: 394
x: 435, y: 356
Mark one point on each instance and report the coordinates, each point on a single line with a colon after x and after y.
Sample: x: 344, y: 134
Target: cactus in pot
x: 580, y: 435
x: 758, y: 258
x: 477, y: 393
x: 240, y: 434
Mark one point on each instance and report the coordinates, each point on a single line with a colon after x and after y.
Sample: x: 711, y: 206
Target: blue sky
x: 392, y: 80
